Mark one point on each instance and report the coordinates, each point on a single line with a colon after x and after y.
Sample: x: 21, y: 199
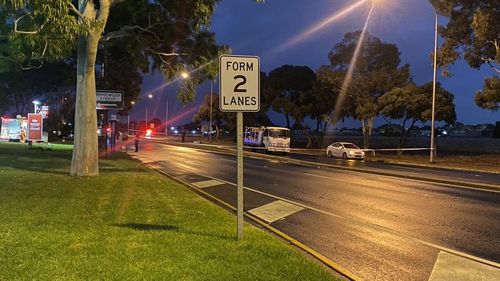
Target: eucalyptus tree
x: 376, y: 70
x: 160, y: 35
x: 472, y: 32
x: 289, y: 91
x: 411, y: 103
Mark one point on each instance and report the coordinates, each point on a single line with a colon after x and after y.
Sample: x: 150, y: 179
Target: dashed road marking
x: 275, y: 211
x: 452, y: 267
x: 207, y: 183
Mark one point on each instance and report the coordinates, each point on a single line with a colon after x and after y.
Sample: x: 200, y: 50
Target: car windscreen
x: 350, y: 145
x: 274, y: 133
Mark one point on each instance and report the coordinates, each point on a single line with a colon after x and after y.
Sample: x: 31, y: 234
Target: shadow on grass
x: 147, y: 227
x: 166, y: 227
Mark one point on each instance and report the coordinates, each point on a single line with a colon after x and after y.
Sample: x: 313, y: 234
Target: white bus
x: 268, y: 139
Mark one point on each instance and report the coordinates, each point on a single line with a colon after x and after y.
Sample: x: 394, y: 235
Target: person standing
x: 137, y: 137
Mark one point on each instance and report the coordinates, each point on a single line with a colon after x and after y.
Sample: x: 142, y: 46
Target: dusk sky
x: 277, y: 32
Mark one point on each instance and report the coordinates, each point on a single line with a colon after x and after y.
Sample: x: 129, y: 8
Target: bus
x: 267, y: 139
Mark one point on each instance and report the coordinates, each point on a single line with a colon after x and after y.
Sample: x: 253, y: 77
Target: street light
x: 433, y: 120
x: 185, y: 75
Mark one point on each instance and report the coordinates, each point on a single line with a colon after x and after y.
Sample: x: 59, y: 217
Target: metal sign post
x: 239, y: 91
x: 239, y: 141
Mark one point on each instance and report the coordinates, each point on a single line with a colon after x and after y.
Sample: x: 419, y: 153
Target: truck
x: 267, y: 139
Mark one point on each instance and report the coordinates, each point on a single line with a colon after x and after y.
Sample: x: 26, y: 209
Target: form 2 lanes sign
x: 239, y: 87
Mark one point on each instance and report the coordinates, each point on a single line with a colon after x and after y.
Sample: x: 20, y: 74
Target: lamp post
x: 184, y: 75
x: 128, y: 119
x: 433, y: 118
x: 210, y: 136
x: 150, y: 96
x: 166, y: 118
x: 35, y: 104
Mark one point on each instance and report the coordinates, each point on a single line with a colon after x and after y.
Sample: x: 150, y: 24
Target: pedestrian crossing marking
x: 452, y: 267
x: 275, y: 210
x: 208, y: 183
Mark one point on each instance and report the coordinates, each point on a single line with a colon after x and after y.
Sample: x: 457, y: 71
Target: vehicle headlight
x: 351, y: 152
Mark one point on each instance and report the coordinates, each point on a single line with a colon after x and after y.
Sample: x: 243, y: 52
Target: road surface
x: 376, y: 227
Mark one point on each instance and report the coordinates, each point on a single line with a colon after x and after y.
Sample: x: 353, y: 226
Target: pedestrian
x: 136, y: 140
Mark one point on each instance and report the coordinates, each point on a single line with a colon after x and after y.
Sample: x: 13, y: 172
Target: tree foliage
x: 472, y: 32
x: 288, y: 90
x: 157, y: 35
x: 489, y: 97
x: 412, y: 103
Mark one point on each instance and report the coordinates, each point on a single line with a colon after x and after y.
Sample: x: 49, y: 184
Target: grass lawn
x: 130, y: 223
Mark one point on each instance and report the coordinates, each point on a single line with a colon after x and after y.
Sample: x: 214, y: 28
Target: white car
x: 344, y: 150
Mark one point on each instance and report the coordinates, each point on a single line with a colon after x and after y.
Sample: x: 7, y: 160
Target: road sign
x: 44, y: 110
x: 239, y: 91
x: 35, y: 127
x: 239, y: 83
x: 109, y: 100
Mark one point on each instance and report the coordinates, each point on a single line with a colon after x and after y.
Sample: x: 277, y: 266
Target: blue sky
x: 262, y: 29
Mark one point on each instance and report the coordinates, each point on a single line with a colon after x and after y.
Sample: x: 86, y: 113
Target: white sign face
x: 239, y: 84
x: 109, y: 100
x: 109, y: 96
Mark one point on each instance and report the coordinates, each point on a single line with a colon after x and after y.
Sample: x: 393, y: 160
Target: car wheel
x: 344, y: 156
x: 329, y: 154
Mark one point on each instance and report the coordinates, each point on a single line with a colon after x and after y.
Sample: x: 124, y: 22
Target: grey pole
x: 210, y: 136
x: 147, y: 125
x: 239, y: 141
x: 128, y: 124
x: 166, y: 118
x: 433, y: 144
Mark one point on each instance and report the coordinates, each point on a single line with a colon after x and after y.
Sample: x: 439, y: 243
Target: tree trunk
x: 217, y: 132
x: 405, y: 139
x: 309, y: 140
x: 85, y: 161
x: 367, y: 125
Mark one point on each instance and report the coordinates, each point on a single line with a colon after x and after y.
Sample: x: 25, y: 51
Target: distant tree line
x: 380, y: 86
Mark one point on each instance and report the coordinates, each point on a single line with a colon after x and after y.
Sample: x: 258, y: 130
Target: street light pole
x: 433, y: 119
x: 166, y: 118
x: 210, y: 136
x: 146, y: 117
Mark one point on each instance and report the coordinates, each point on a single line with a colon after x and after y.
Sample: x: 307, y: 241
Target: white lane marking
x: 208, y: 183
x: 275, y: 211
x: 224, y: 159
x: 451, y: 267
x: 376, y: 226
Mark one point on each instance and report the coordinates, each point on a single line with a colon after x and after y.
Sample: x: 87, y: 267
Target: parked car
x: 344, y: 150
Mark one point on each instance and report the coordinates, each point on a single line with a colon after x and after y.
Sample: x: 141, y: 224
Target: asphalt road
x: 377, y: 227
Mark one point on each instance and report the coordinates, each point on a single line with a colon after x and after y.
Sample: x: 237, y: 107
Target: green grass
x: 128, y: 224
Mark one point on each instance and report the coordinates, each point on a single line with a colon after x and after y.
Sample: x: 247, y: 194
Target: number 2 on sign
x: 243, y: 82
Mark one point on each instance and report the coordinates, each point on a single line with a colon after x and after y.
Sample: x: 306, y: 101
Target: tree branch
x: 124, y: 31
x: 21, y: 31
x: 75, y: 10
